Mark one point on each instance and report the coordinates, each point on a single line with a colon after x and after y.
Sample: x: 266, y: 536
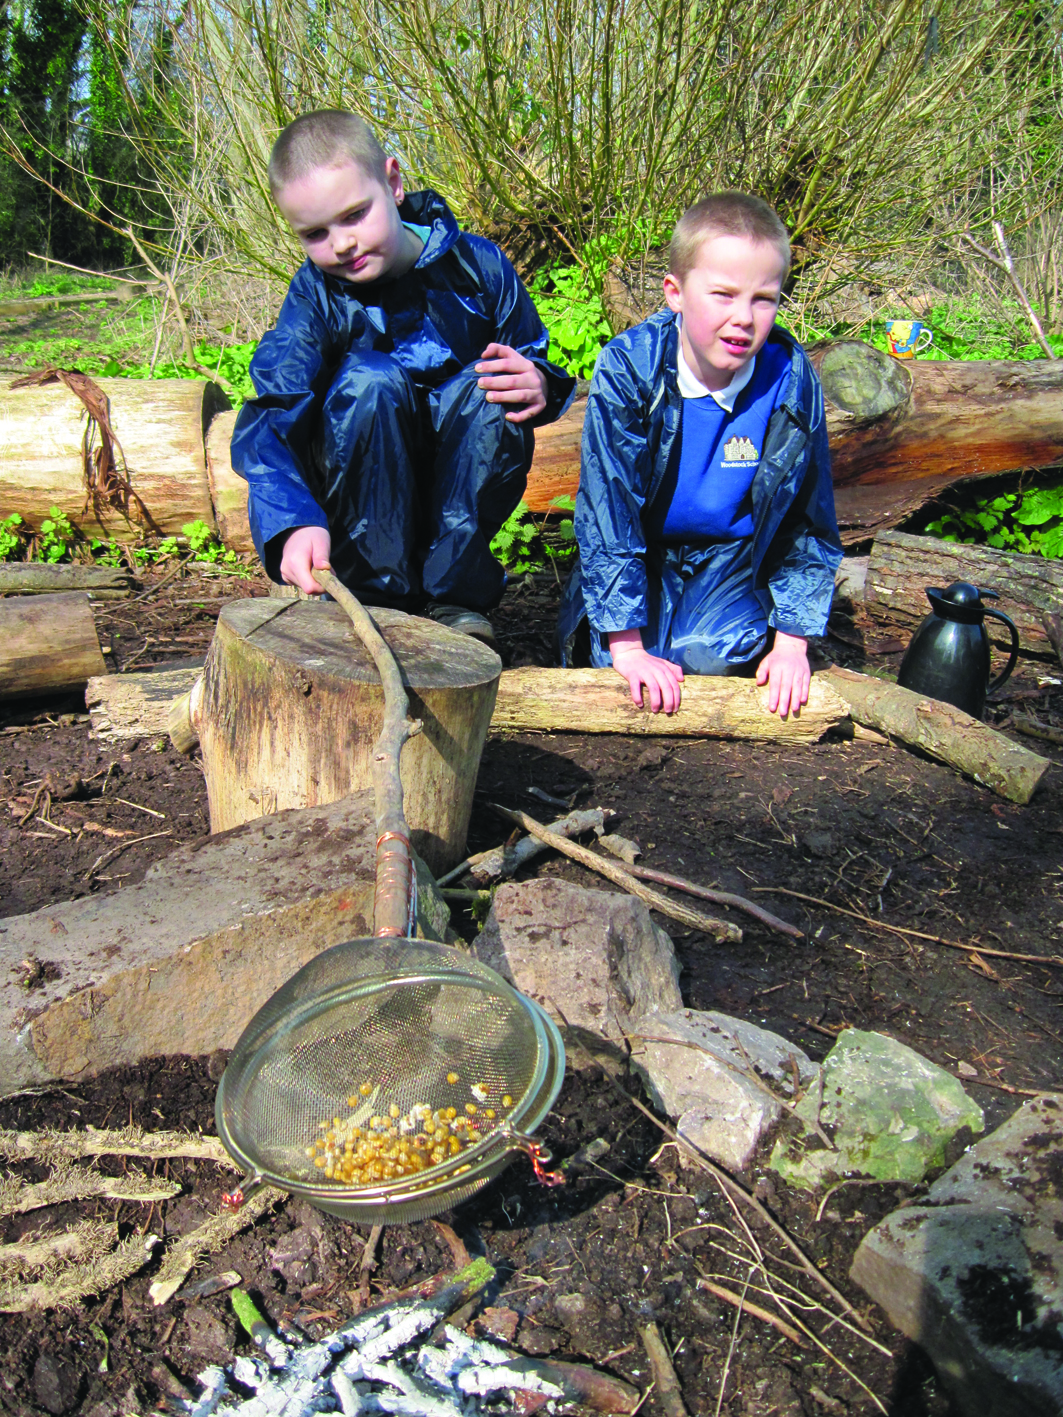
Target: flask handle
x: 1013, y: 656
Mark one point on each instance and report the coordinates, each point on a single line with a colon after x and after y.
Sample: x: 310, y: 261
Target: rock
x: 537, y: 1339
x: 891, y: 1113
x: 55, y: 1383
x: 294, y: 1254
x: 570, y: 1308
x: 975, y: 1275
x: 702, y: 1079
x: 179, y: 962
x: 595, y: 955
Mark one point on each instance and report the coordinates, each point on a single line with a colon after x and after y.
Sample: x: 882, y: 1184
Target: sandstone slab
x: 180, y: 962
x: 715, y: 1075
x: 891, y: 1113
x: 975, y: 1275
x: 593, y: 959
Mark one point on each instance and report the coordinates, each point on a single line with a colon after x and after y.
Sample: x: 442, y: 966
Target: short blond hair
x: 724, y: 214
x: 325, y: 138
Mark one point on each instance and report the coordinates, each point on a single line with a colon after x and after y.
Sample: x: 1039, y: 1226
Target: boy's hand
x: 660, y: 676
x: 306, y: 549
x: 785, y: 671
x: 510, y: 378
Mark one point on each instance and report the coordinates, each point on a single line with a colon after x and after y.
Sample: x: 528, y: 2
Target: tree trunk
x: 48, y: 644
x: 160, y: 424
x: 39, y: 578
x: 598, y: 701
x: 902, y: 566
x: 228, y: 490
x: 900, y: 430
x: 292, y: 705
x: 942, y: 732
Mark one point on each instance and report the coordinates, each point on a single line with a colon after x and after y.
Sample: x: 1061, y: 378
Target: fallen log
x: 900, y: 432
x: 159, y: 423
x: 137, y: 705
x: 942, y: 732
x: 902, y: 566
x: 228, y: 490
x: 1053, y: 624
x: 291, y: 705
x: 48, y: 644
x: 598, y: 701
x: 39, y: 578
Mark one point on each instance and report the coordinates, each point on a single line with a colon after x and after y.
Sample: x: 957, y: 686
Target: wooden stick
x: 394, y: 864
x: 721, y: 929
x: 665, y: 1380
x: 729, y: 1297
x: 1055, y: 960
x: 500, y: 862
x: 737, y: 902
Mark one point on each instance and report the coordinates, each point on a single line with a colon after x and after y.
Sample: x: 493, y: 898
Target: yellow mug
x: 907, y: 338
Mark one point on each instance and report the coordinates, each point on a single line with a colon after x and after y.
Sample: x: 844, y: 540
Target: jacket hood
x: 428, y: 208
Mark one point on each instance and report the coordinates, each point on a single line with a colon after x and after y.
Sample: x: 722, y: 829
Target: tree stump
x: 292, y: 705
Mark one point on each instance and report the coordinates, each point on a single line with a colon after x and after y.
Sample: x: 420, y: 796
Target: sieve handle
x: 233, y: 1200
x: 538, y: 1155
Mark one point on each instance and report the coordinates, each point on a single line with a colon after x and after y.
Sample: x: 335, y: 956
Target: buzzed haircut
x: 724, y: 214
x: 325, y: 138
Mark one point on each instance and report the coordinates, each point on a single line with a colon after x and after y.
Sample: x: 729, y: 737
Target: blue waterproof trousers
x: 415, y: 482
x: 704, y: 613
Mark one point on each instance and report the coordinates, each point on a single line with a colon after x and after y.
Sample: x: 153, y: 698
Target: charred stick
x: 694, y: 919
x: 730, y: 1297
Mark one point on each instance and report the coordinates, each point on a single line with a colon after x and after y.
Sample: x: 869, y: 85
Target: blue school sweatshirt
x: 706, y: 494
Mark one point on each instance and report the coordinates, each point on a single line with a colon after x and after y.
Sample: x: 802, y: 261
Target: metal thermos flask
x: 948, y: 657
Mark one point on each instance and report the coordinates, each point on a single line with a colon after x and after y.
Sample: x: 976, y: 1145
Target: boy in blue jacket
x: 392, y: 432
x: 705, y: 514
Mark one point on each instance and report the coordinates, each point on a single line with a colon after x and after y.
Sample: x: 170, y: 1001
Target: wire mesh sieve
x: 397, y: 1033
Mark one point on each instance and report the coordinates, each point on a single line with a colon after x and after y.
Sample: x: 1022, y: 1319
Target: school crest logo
x: 740, y: 450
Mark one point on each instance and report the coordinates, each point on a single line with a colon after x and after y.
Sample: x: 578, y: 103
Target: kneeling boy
x: 392, y: 432
x: 705, y: 514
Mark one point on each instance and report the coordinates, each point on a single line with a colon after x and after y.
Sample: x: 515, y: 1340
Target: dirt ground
x: 868, y: 828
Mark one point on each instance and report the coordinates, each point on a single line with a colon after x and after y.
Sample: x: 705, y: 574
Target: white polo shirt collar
x: 691, y: 387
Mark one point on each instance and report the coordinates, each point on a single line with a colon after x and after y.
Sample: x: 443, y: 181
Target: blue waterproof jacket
x: 436, y: 320
x: 629, y: 437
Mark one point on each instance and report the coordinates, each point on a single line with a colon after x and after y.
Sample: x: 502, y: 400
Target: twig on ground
x: 77, y: 1281
x: 369, y: 1262
x: 213, y: 1235
x: 75, y: 1183
x: 729, y: 1297
x: 109, y: 856
x: 665, y: 1381
x: 1033, y: 729
x: 454, y: 1243
x: 502, y: 861
x: 739, y: 1309
x: 736, y: 902
x: 1055, y: 960
x: 166, y: 579
x: 722, y: 930
x: 50, y: 1146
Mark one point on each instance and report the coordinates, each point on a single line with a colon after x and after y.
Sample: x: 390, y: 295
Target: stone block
x: 702, y: 1070
x: 975, y: 1275
x: 180, y: 962
x: 593, y: 959
x: 891, y: 1113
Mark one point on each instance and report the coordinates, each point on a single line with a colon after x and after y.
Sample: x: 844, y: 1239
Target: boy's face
x: 347, y: 221
x: 728, y: 299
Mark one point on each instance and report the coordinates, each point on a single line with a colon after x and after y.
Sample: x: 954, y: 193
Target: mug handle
x: 928, y: 336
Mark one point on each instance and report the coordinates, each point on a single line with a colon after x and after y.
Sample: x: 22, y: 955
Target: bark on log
x: 228, y: 490
x: 48, y: 644
x: 1053, y: 624
x: 942, y: 732
x: 900, y: 431
x: 598, y: 701
x: 902, y: 566
x: 137, y: 705
x: 39, y: 578
x: 161, y: 425
x: 292, y: 704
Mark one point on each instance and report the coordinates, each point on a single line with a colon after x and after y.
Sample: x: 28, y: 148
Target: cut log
x: 942, y: 732
x: 292, y: 704
x: 900, y: 431
x: 160, y: 424
x: 228, y: 490
x: 902, y: 566
x: 598, y: 701
x: 38, y: 578
x: 48, y: 644
x: 137, y: 705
